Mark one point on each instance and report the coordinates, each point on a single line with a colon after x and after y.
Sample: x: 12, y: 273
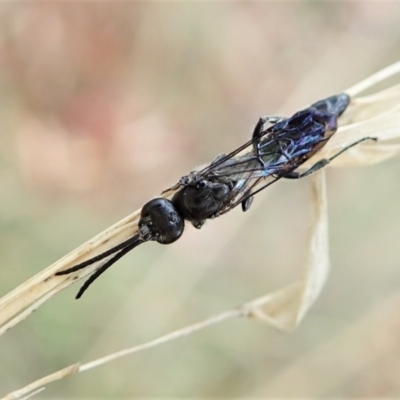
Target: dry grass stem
x: 38, y: 386
x: 380, y: 119
x: 26, y: 298
x: 372, y: 80
x: 286, y: 307
x: 376, y: 115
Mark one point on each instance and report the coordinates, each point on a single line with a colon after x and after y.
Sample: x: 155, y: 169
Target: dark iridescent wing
x: 247, y: 171
x: 300, y: 128
x: 293, y: 137
x: 333, y: 105
x: 283, y: 147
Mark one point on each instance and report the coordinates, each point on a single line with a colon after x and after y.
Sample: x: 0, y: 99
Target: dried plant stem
x: 283, y: 308
x: 235, y: 313
x: 383, y: 123
x: 37, y: 386
x: 372, y: 80
x: 26, y: 298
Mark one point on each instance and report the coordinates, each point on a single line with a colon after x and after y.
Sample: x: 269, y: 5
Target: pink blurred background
x: 103, y: 106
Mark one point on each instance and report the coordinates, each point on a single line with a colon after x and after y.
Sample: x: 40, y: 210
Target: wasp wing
x: 281, y: 149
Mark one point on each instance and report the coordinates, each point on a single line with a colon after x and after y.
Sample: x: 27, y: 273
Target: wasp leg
x: 283, y: 150
x: 218, y: 159
x: 172, y: 188
x: 257, y: 133
x: 247, y: 203
x: 198, y: 224
x: 324, y: 162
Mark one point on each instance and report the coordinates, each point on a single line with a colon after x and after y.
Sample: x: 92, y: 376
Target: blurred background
x: 105, y: 105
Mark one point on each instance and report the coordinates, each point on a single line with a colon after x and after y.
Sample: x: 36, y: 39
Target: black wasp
x: 234, y: 178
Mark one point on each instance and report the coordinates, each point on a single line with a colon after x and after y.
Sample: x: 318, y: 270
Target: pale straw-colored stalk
x: 375, y: 115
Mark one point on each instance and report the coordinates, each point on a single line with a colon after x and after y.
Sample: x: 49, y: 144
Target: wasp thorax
x: 160, y: 221
x: 201, y: 200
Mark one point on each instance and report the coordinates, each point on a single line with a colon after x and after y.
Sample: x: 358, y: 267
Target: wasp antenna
x: 105, y: 266
x: 107, y: 253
